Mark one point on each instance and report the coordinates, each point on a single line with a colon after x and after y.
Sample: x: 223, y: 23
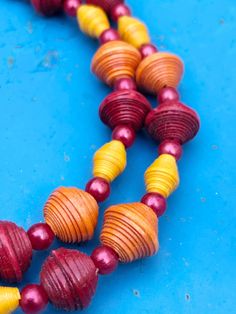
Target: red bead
x: 41, y: 236
x: 125, y: 83
x: 99, y: 188
x: 105, y: 259
x: 109, y: 35
x: 120, y: 10
x: 106, y: 5
x: 124, y: 134
x: 47, y: 7
x: 71, y: 6
x: 147, y: 50
x: 33, y: 299
x: 173, y: 148
x: 155, y: 201
x: 167, y: 94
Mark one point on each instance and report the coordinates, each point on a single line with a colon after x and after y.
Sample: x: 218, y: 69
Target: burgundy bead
x: 33, y: 299
x: 125, y: 134
x: 47, y: 7
x: 167, y: 94
x: 171, y: 147
x: 155, y: 201
x: 109, y: 35
x: 69, y: 278
x: 105, y: 259
x: 147, y: 50
x: 99, y: 188
x: 120, y: 10
x: 15, y: 252
x: 125, y: 83
x: 41, y: 236
x: 106, y: 5
x: 71, y: 6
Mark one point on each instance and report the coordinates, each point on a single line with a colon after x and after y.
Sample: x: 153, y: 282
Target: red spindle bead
x: 109, y: 35
x: 47, y: 7
x: 167, y: 94
x: 71, y: 6
x: 41, y: 236
x: 33, y: 299
x: 125, y: 134
x: 105, y: 259
x: 147, y: 50
x: 99, y: 188
x: 125, y: 83
x: 155, y: 201
x: 119, y: 10
x: 106, y: 5
x: 171, y: 147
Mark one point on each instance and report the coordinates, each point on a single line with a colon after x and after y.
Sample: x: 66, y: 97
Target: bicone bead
x: 41, y: 236
x: 119, y: 10
x: 124, y: 134
x: 105, y: 259
x: 46, y: 7
x: 171, y: 147
x: 147, y: 50
x: 99, y: 188
x: 33, y: 299
x: 156, y: 202
x: 106, y: 5
x: 109, y: 34
x: 167, y: 94
x: 71, y: 6
x: 9, y: 299
x: 125, y: 83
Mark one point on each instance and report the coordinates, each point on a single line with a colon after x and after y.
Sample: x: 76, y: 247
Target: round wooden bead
x: 172, y: 121
x: 105, y: 259
x: 131, y: 231
x: 72, y: 214
x: 47, y: 7
x: 159, y: 70
x: 9, y: 299
x: 69, y: 278
x: 41, y: 236
x: 71, y: 7
x: 124, y: 108
x: 33, y: 299
x: 115, y: 59
x: 119, y: 11
x: 106, y: 5
x: 15, y: 252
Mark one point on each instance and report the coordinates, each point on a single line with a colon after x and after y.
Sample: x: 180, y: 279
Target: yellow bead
x: 92, y: 20
x: 9, y: 300
x: 162, y: 176
x: 133, y: 31
x: 110, y: 160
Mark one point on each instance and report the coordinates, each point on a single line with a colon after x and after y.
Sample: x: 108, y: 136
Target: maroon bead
x: 147, y: 50
x: 71, y: 6
x: 47, y: 7
x: 69, y: 278
x: 41, y: 236
x: 124, y: 108
x: 155, y: 201
x: 105, y: 259
x: 33, y: 299
x: 171, y: 147
x: 120, y: 10
x: 125, y: 83
x: 106, y: 5
x: 124, y: 134
x: 99, y: 188
x: 15, y: 252
x: 167, y: 94
x: 109, y: 35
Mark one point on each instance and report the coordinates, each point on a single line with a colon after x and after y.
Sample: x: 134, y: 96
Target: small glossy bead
x: 71, y: 6
x: 41, y: 236
x: 124, y: 134
x: 105, y: 259
x: 99, y: 188
x: 120, y: 10
x: 155, y: 201
x: 109, y: 35
x: 125, y: 83
x: 33, y: 299
x: 167, y: 94
x: 147, y: 50
x: 173, y: 148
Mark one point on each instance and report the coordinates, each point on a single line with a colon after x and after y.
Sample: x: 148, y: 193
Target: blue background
x: 50, y: 130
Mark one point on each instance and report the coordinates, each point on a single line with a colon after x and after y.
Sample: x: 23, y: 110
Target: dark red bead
x: 33, y: 299
x: 171, y: 147
x: 147, y: 50
x: 106, y: 5
x: 99, y: 188
x: 47, y: 7
x: 167, y: 94
x: 124, y: 134
x: 41, y: 236
x: 109, y: 35
x: 155, y: 201
x: 125, y: 83
x: 120, y: 10
x: 71, y: 6
x: 105, y: 259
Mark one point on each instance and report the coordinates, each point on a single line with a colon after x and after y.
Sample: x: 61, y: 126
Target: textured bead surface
x: 105, y: 259
x: 172, y: 120
x: 167, y: 94
x: 114, y: 60
x: 9, y: 300
x: 124, y: 108
x: 147, y: 49
x: 119, y: 10
x: 15, y: 252
x: 131, y: 231
x: 99, y: 188
x: 156, y: 202
x: 72, y: 214
x: 41, y: 236
x: 69, y: 278
x: 125, y: 83
x: 71, y: 6
x: 33, y: 299
x: 124, y: 134
x: 159, y: 70
x: 107, y: 5
x: 108, y: 35
x: 171, y: 147
x: 47, y: 7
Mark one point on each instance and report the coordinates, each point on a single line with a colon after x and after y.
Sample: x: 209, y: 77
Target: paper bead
x: 9, y: 299
x: 15, y: 252
x: 107, y: 5
x: 131, y: 231
x: 159, y: 70
x: 114, y: 60
x: 47, y: 7
x: 133, y: 31
x: 109, y: 160
x: 72, y: 214
x: 92, y: 20
x: 69, y: 278
x: 162, y: 176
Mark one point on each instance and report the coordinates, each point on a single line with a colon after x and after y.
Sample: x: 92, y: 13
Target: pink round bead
x: 46, y: 7
x: 124, y: 134
x: 125, y: 83
x: 41, y: 236
x: 120, y: 10
x: 167, y: 94
x: 99, y: 188
x: 155, y: 201
x: 33, y: 299
x: 105, y: 259
x: 147, y: 50
x: 71, y: 6
x: 171, y: 147
x: 109, y: 35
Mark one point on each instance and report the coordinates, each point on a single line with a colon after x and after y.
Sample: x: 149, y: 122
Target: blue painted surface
x: 50, y: 130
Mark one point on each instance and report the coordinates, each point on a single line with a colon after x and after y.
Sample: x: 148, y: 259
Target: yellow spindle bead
x: 162, y: 176
x: 92, y: 20
x: 133, y: 31
x: 110, y: 160
x: 9, y: 300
